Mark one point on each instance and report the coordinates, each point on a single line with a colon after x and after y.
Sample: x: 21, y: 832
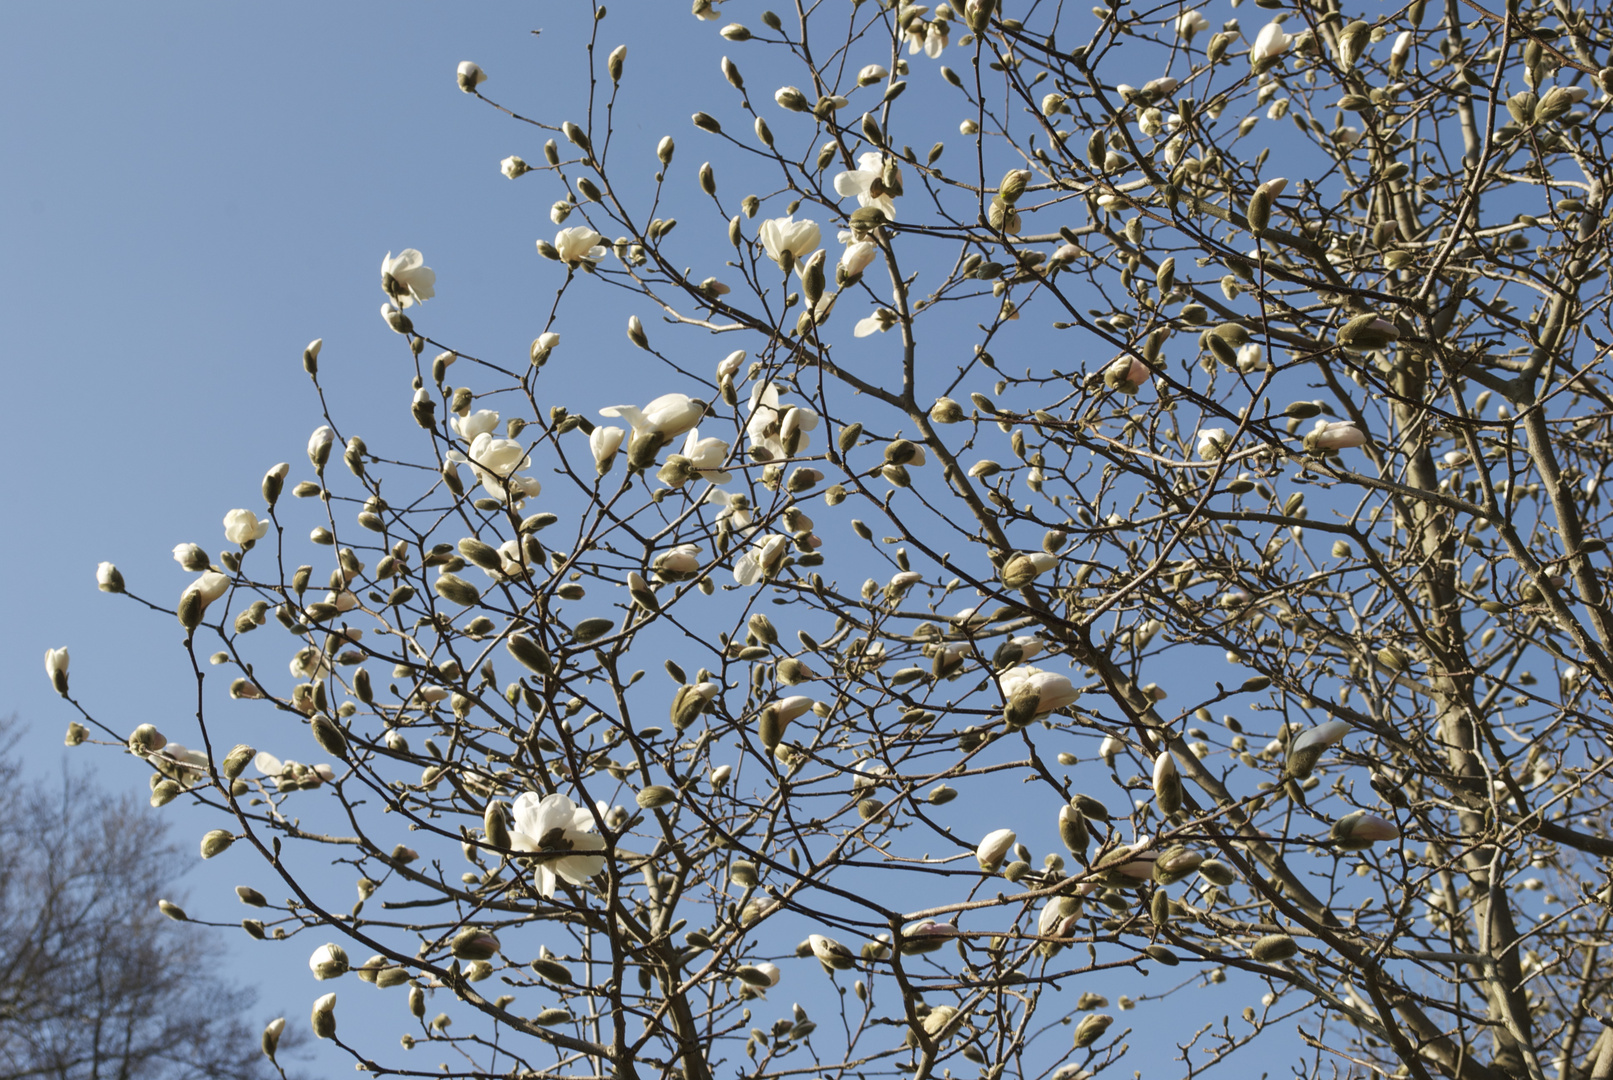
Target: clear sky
x: 192, y: 192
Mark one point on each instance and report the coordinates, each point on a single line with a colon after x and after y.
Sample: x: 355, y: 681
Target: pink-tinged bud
x: 1360, y: 830
x: 831, y: 953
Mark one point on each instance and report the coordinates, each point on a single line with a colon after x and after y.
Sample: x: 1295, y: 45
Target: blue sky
x: 193, y: 192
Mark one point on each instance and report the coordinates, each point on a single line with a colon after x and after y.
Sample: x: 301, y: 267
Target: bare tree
x: 1342, y: 433
x: 94, y: 981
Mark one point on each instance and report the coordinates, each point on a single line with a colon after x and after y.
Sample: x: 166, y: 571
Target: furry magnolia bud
x: 323, y: 1017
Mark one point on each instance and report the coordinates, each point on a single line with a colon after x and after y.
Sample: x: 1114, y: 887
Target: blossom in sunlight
x: 407, y: 278
x: 994, y: 849
x: 678, y: 564
x: 857, y: 257
x: 706, y: 457
x: 243, y: 527
x: 1212, y: 442
x: 667, y: 416
x: 1269, y: 44
x: 781, y: 431
x: 736, y: 507
x: 880, y: 321
x: 1306, y: 750
x: 579, y: 245
x: 871, y: 74
x: 56, y: 668
x: 483, y: 421
x: 513, y: 167
x: 604, y: 442
x: 108, y: 578
x: 470, y: 76
x: 867, y: 183
x: 1335, y: 435
x: 763, y: 560
x: 830, y: 952
x: 1191, y: 23
x: 1032, y: 693
x: 554, y: 827
x: 788, y: 241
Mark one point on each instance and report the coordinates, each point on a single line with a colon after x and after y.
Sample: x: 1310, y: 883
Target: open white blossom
x: 668, y: 415
x: 555, y: 828
x: 785, y: 238
x: 407, y: 278
x: 578, y: 245
x: 243, y: 527
x: 867, y: 184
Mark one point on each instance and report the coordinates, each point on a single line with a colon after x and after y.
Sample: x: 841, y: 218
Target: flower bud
x: 108, y: 579
x: 655, y: 795
x: 474, y: 944
x: 216, y: 842
x: 614, y: 62
x: 470, y: 76
x: 1091, y: 1029
x: 271, y: 1037
x: 994, y: 848
x: 173, y: 911
x: 328, y: 962
x: 323, y: 1017
x: 1167, y: 784
x: 56, y: 668
x: 1274, y: 948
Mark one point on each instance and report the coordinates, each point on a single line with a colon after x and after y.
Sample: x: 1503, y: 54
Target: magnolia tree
x: 1232, y: 543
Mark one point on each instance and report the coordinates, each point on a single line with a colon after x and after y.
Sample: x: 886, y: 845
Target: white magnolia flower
x: 994, y: 849
x: 880, y: 321
x: 786, y: 236
x: 579, y: 245
x: 496, y: 463
x: 763, y: 560
x: 728, y: 367
x: 1212, y: 442
x: 769, y: 971
x: 310, y: 664
x: 328, y: 962
x: 736, y: 507
x: 319, y: 444
x: 1401, y: 49
x: 407, y: 278
x: 871, y: 74
x: 1269, y: 44
x: 706, y: 457
x: 210, y: 586
x: 1054, y: 691
x: 107, y: 578
x: 781, y: 431
x: 190, y: 556
x: 243, y: 527
x: 667, y: 416
x: 867, y: 184
x: 1335, y: 435
x: 929, y: 38
x: 513, y: 167
x: 470, y: 76
x: 187, y: 767
x: 56, y: 667
x: 678, y: 564
x: 481, y: 422
x: 605, y: 442
x: 857, y: 256
x: 707, y: 10
x: 1191, y: 23
x: 553, y: 824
